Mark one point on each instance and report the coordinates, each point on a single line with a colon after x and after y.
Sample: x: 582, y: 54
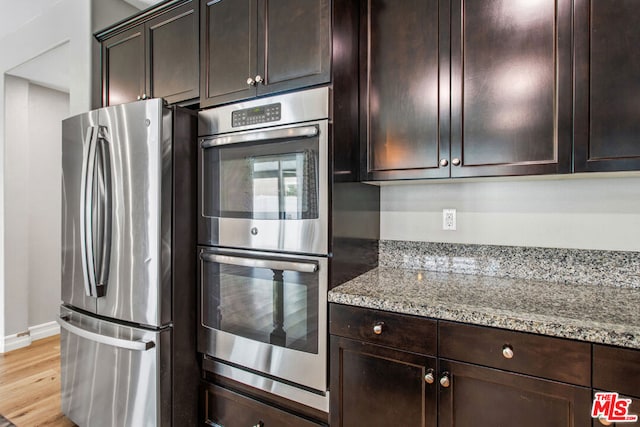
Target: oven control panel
x: 255, y: 115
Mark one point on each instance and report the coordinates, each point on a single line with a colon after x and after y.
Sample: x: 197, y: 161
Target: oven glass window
x: 267, y: 305
x: 267, y: 180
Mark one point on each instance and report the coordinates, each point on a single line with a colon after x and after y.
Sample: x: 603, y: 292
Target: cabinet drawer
x: 546, y: 357
x: 409, y: 333
x: 225, y: 408
x: 616, y: 369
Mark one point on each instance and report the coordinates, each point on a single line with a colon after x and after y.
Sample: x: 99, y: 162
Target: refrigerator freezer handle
x: 103, y: 339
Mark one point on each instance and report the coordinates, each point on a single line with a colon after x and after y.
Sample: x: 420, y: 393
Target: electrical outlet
x: 448, y: 219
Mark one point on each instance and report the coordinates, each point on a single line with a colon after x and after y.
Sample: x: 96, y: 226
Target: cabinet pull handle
x: 259, y: 79
x: 251, y: 82
x: 456, y: 162
x: 507, y: 351
x: 444, y: 162
x: 429, y: 378
x: 603, y: 421
x: 377, y: 328
x: 444, y: 380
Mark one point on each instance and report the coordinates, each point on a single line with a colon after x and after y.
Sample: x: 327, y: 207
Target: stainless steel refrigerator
x: 128, y: 352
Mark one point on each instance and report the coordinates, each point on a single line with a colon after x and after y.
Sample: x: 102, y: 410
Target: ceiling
x: 14, y: 14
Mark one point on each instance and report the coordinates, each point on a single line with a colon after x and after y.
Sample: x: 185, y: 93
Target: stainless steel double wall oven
x: 263, y: 236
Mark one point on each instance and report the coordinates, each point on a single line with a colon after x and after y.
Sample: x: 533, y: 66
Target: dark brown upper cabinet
x: 154, y: 54
x: 404, y: 87
x: 607, y: 65
x: 511, y: 87
x: 257, y: 47
x: 455, y: 88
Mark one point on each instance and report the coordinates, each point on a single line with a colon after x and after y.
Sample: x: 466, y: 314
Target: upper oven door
x: 266, y: 189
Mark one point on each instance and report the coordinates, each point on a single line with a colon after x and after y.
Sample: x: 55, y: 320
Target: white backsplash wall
x: 599, y: 211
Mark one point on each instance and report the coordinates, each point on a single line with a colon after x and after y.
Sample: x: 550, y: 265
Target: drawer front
x: 616, y: 369
x: 225, y: 408
x: 541, y: 356
x: 409, y: 333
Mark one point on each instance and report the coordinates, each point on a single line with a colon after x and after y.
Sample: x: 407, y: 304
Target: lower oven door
x: 266, y: 313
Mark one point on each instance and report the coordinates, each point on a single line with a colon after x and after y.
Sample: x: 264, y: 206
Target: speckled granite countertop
x: 599, y: 314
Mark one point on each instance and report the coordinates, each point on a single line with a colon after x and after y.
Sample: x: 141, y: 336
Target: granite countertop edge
x: 371, y: 291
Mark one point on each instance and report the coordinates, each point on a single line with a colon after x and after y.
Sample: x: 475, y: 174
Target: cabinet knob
x: 144, y: 96
x: 444, y: 380
x: 139, y: 97
x: 259, y: 79
x: 429, y: 378
x: 603, y: 421
x: 455, y: 162
x: 251, y: 82
x: 444, y: 162
x: 260, y: 424
x: 507, y: 351
x: 377, y: 328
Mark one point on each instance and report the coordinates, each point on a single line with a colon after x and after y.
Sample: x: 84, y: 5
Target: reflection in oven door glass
x: 271, y: 306
x: 272, y: 181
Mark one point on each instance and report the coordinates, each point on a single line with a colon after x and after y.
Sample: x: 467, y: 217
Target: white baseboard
x: 14, y: 342
x: 44, y: 330
x: 35, y: 333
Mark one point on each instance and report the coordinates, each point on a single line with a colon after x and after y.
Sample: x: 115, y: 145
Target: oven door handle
x: 262, y: 135
x: 301, y: 267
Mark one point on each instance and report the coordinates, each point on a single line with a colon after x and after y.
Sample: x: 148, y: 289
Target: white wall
x: 585, y: 212
x: 33, y: 158
x: 64, y: 21
x: 16, y: 211
x: 47, y: 108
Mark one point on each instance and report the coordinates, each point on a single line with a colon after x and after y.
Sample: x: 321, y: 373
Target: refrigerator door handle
x: 105, y: 213
x: 86, y: 217
x: 104, y: 339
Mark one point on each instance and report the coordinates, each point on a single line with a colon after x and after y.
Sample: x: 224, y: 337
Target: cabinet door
x: 404, y: 89
x: 228, y: 54
x: 607, y: 85
x: 227, y: 408
x: 172, y: 52
x: 123, y: 67
x: 294, y: 44
x: 511, y: 91
x: 478, y: 396
x: 378, y: 386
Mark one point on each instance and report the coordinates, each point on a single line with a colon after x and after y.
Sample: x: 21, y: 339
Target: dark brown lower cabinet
x: 480, y: 396
x: 226, y: 408
x: 374, y: 386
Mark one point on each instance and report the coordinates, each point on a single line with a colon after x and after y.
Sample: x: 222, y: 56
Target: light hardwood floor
x: 30, y: 385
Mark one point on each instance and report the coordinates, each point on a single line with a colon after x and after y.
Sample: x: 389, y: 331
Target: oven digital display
x: 256, y: 115
x: 257, y: 111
